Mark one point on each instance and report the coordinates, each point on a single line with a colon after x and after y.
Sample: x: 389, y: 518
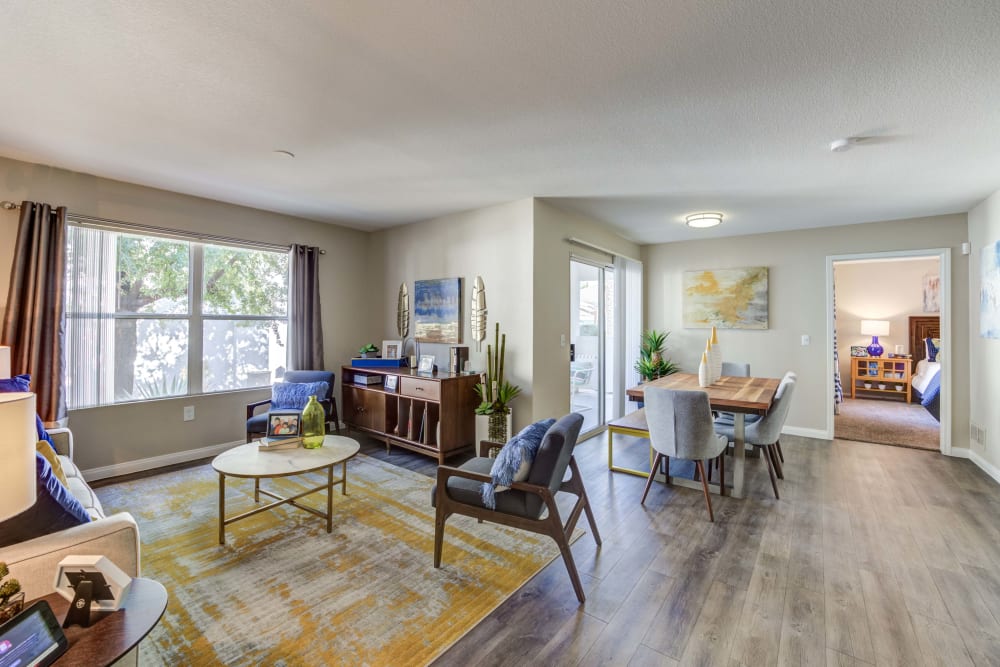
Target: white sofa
x: 33, y: 563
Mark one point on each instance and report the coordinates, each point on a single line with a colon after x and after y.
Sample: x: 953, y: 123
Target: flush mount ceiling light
x: 284, y: 153
x: 703, y: 220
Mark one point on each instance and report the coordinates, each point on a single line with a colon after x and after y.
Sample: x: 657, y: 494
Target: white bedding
x: 926, y: 370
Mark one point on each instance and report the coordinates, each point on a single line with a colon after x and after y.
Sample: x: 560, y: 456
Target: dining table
x: 739, y: 395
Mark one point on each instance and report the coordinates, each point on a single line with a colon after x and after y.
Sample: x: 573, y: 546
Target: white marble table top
x: 248, y: 461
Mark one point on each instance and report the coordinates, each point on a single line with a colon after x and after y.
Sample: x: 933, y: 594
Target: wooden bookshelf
x: 430, y: 414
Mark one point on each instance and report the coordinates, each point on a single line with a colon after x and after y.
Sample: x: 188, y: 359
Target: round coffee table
x: 249, y: 462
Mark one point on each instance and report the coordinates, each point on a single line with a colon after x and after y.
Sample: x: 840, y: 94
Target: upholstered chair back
x: 680, y: 423
x: 768, y: 430
x: 552, y: 458
x: 736, y: 369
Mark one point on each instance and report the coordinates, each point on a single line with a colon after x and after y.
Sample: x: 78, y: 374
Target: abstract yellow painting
x: 726, y: 298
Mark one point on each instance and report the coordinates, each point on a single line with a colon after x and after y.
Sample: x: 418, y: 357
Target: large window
x: 149, y: 317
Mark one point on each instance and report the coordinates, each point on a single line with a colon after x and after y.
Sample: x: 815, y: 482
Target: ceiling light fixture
x: 704, y: 220
x: 844, y: 144
x: 281, y: 151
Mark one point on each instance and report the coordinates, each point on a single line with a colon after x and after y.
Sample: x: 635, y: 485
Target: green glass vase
x: 313, y: 424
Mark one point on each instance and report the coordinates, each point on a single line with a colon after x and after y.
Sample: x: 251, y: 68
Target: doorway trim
x: 944, y: 257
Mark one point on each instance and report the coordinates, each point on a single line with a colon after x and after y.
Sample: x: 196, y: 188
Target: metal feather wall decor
x: 478, y: 311
x: 403, y: 312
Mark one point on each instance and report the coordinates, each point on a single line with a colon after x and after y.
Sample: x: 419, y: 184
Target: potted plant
x: 368, y: 351
x: 652, y: 364
x: 11, y: 595
x: 495, y: 392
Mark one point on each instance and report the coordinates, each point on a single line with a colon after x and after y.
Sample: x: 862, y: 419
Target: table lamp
x: 875, y: 328
x: 17, y: 451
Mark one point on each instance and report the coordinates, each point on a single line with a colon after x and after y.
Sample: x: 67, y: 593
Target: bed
x: 926, y: 382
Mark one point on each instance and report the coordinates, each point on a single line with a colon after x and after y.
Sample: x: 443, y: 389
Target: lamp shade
x: 17, y: 451
x: 4, y: 362
x: 875, y: 327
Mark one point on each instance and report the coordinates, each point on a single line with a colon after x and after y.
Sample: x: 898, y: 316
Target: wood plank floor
x: 874, y: 555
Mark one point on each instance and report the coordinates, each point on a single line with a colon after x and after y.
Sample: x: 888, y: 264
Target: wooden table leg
x: 343, y: 478
x: 222, y: 508
x: 739, y: 453
x: 256, y: 489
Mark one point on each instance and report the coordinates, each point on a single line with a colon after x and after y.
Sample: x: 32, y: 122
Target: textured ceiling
x: 636, y: 112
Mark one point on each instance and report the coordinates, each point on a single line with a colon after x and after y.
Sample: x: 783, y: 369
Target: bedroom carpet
x: 887, y: 423
x: 282, y: 591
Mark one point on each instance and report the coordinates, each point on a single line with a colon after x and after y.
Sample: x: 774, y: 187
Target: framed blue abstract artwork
x: 437, y: 310
x: 989, y: 291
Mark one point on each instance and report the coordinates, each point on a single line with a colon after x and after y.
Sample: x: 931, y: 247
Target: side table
x: 112, y: 634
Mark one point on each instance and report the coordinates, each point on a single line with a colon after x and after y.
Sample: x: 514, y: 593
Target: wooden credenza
x: 430, y: 414
x: 887, y: 377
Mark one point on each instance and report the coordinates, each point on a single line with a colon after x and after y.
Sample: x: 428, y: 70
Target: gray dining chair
x: 766, y: 432
x: 680, y: 426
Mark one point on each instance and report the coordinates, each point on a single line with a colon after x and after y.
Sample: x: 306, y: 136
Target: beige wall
x: 984, y: 371
x: 552, y: 296
x: 156, y: 428
x: 889, y: 290
x: 492, y: 242
x: 797, y: 302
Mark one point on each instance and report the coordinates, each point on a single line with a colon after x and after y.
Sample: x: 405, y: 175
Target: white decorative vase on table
x: 703, y: 371
x: 716, y: 355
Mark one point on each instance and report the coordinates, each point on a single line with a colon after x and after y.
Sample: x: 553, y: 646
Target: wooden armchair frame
x: 549, y: 524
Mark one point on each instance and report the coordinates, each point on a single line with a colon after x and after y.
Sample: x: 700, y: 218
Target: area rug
x: 282, y: 591
x: 887, y: 423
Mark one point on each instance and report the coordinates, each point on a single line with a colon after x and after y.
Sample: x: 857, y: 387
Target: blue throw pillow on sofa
x: 20, y: 383
x: 55, y: 509
x: 295, y: 395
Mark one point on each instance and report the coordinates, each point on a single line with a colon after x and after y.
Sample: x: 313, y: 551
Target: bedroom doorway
x: 894, y: 301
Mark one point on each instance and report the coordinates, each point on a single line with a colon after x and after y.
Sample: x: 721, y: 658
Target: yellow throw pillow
x: 45, y: 449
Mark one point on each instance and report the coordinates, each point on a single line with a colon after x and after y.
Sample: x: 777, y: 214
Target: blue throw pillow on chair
x: 295, y: 395
x: 514, y: 460
x: 20, y: 383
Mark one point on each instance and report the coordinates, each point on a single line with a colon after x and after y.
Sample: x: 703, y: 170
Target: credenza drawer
x: 417, y: 388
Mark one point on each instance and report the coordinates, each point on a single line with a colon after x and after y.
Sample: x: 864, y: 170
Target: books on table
x: 278, y: 444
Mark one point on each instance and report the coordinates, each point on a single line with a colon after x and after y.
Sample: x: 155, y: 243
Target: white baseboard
x: 152, y: 462
x: 807, y: 432
x: 985, y: 465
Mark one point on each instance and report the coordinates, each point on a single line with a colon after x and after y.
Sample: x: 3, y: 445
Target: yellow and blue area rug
x: 282, y: 591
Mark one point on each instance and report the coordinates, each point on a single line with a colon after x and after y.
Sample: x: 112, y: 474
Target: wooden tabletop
x: 112, y: 634
x: 733, y: 394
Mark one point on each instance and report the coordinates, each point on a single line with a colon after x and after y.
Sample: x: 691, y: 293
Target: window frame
x: 195, y: 317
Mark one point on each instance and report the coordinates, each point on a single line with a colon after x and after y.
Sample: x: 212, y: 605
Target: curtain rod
x: 591, y: 246
x: 164, y: 231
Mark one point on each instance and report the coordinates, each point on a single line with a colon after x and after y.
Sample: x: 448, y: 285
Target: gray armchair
x: 765, y: 432
x: 459, y: 491
x: 680, y: 425
x: 257, y: 423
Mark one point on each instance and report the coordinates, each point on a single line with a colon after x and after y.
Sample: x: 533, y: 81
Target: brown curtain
x: 34, y: 323
x: 305, y: 323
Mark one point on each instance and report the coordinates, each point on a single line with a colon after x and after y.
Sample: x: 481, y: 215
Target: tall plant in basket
x: 495, y: 392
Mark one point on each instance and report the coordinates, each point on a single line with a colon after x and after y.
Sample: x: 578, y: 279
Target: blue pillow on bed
x: 932, y: 349
x: 295, y: 395
x: 931, y: 391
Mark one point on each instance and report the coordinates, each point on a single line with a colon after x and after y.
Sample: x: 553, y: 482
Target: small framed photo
x: 283, y: 423
x: 426, y: 363
x: 390, y: 382
x: 859, y: 351
x: 392, y: 349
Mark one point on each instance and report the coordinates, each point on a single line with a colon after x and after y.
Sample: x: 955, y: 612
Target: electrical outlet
x: 189, y: 413
x: 805, y: 340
